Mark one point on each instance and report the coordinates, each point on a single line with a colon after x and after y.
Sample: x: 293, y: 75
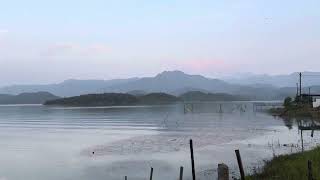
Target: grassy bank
x: 290, y: 167
x: 300, y: 107
x: 296, y: 112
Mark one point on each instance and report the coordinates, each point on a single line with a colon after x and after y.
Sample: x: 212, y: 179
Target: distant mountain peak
x: 178, y: 74
x: 171, y: 73
x: 27, y: 98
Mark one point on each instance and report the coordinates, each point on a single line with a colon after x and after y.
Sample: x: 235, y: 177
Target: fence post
x: 302, y: 145
x: 223, y: 172
x: 240, y: 164
x: 181, y: 173
x: 310, y: 170
x: 192, y: 161
x: 151, y: 173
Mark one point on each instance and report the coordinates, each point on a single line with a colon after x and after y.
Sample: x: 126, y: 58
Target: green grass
x: 290, y: 167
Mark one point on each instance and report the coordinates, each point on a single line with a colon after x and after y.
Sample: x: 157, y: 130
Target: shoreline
x: 291, y: 166
x: 296, y: 112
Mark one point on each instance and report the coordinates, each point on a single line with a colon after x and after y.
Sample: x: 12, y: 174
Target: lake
x: 40, y: 142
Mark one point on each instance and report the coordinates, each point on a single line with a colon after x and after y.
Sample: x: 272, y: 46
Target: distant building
x: 316, y: 102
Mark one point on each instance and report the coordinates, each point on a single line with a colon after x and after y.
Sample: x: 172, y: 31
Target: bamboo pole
x: 310, y: 170
x: 240, y: 164
x: 181, y: 173
x: 151, y: 173
x: 192, y: 161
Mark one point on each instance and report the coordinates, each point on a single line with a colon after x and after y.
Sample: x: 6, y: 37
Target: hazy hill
x: 114, y: 99
x: 158, y: 98
x: 124, y: 99
x: 67, y: 88
x: 176, y: 83
x: 290, y: 80
x: 171, y: 82
x: 105, y: 99
x: 27, y: 98
x: 137, y: 92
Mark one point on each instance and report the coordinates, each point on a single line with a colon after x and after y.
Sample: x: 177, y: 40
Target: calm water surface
x: 39, y: 142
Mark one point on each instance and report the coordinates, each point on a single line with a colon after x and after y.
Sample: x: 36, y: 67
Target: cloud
x: 98, y: 48
x: 61, y: 49
x: 3, y: 31
x: 205, y: 65
x: 75, y: 49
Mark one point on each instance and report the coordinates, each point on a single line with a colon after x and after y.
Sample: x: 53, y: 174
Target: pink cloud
x: 99, y: 48
x: 61, y: 49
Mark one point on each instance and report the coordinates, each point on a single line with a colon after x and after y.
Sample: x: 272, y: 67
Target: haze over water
x: 40, y: 142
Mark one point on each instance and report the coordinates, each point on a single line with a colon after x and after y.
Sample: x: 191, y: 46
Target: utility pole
x: 300, y: 74
x: 310, y: 99
x: 300, y: 96
x: 297, y: 94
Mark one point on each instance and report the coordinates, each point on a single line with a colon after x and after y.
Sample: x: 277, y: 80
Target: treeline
x: 114, y: 99
x: 124, y: 99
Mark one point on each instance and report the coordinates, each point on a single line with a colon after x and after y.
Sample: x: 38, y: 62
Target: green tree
x: 287, y: 102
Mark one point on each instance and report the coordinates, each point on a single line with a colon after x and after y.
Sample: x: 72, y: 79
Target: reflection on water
x: 40, y: 142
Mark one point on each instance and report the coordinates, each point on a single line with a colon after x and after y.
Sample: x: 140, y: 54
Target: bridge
x: 229, y: 107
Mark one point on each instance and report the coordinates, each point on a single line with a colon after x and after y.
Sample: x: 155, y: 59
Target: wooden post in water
x: 151, y: 173
x: 223, y: 172
x: 302, y: 146
x: 125, y: 178
x: 192, y: 161
x: 181, y: 173
x: 253, y: 107
x: 240, y: 164
x: 300, y: 82
x: 220, y: 108
x: 310, y: 170
x: 313, y: 126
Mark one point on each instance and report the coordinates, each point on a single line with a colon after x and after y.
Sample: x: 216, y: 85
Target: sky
x: 45, y: 41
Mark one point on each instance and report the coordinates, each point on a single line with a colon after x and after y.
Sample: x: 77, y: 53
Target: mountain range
x: 290, y: 80
x: 27, y: 98
x: 258, y: 87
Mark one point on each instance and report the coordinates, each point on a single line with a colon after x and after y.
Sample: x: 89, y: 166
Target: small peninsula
x: 297, y: 107
x: 114, y: 99
x: 126, y: 99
